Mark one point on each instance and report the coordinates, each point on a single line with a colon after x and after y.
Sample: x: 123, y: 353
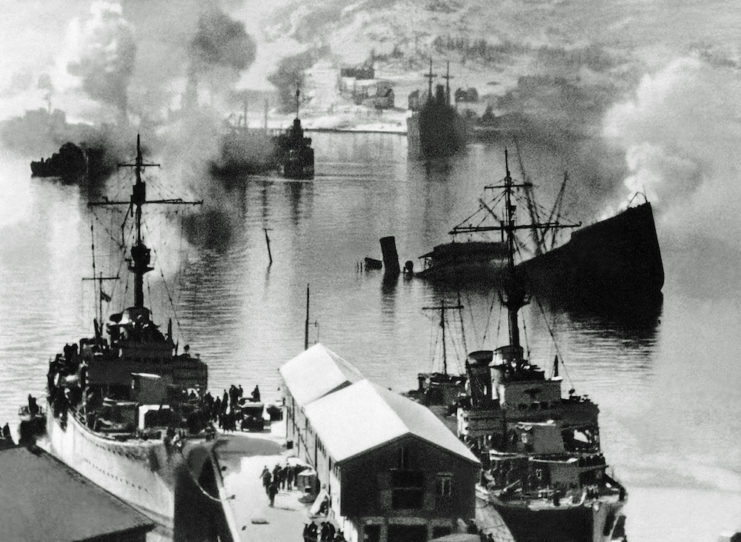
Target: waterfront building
x: 388, y: 468
x: 309, y: 376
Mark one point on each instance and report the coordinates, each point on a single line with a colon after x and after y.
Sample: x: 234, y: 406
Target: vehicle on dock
x: 252, y: 416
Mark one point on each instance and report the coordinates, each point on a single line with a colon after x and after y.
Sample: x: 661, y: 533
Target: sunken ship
x: 615, y: 262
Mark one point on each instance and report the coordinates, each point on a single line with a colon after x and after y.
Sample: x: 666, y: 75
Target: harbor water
x: 667, y: 383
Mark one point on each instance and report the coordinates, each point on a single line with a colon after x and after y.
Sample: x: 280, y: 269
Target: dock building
x: 389, y: 469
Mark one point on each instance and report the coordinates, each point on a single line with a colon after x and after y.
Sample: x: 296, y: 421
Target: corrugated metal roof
x: 42, y: 499
x: 316, y: 372
x: 364, y: 416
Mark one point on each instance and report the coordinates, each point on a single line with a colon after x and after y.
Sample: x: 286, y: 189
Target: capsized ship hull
x: 617, y: 258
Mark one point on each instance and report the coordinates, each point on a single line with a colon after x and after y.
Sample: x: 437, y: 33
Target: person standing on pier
x: 266, y: 477
x: 272, y: 491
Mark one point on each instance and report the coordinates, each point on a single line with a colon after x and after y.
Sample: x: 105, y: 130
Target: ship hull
x: 142, y: 473
x: 593, y: 522
x: 435, y: 132
x: 610, y: 262
x: 613, y: 263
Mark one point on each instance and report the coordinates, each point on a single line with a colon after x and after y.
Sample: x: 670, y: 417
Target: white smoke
x: 681, y: 132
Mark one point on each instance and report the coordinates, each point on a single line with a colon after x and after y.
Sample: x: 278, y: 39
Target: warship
x: 436, y: 129
x: 125, y: 406
x: 294, y: 151
x: 70, y: 164
x: 543, y: 469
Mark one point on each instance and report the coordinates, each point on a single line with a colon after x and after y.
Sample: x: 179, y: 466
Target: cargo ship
x: 616, y: 261
x: 125, y: 406
x: 543, y: 468
x: 435, y: 129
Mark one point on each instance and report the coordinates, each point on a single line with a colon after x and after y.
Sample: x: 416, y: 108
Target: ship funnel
x: 479, y: 377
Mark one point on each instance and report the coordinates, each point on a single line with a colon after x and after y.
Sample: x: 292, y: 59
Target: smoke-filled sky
x: 653, y: 82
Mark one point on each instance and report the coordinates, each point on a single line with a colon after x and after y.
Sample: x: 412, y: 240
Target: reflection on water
x: 665, y: 379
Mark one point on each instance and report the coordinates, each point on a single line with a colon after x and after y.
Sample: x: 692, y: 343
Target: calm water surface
x: 668, y: 388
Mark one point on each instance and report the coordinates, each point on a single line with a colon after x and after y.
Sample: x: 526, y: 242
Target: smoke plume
x: 680, y: 132
x: 107, y: 57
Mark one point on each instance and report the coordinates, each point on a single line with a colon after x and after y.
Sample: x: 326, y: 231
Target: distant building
x: 42, y: 499
x: 359, y: 84
x: 388, y: 467
x: 365, y: 71
x: 467, y: 95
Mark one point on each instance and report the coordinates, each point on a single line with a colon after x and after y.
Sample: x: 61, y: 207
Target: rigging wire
x: 473, y: 319
x: 460, y: 323
x: 488, y: 318
x: 555, y: 344
x: 167, y: 289
x: 524, y: 331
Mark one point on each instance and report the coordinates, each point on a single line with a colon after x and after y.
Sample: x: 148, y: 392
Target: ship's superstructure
x: 544, y: 470
x: 125, y: 405
x: 294, y: 151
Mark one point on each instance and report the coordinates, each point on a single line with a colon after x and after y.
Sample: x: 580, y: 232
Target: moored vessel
x: 436, y: 130
x: 125, y: 407
x: 544, y: 470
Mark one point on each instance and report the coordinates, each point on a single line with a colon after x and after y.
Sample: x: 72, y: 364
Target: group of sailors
x: 7, y: 437
x: 324, y: 532
x: 223, y: 410
x: 281, y: 477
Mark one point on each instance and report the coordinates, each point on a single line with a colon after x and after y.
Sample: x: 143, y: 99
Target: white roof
x: 364, y: 416
x: 316, y: 372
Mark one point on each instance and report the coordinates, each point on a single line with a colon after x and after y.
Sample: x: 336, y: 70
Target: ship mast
x: 442, y: 307
x: 447, y: 78
x: 513, y: 294
x: 430, y: 76
x: 140, y: 253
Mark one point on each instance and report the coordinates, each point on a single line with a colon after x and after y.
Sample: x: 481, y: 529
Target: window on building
x: 407, y: 489
x: 444, y: 484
